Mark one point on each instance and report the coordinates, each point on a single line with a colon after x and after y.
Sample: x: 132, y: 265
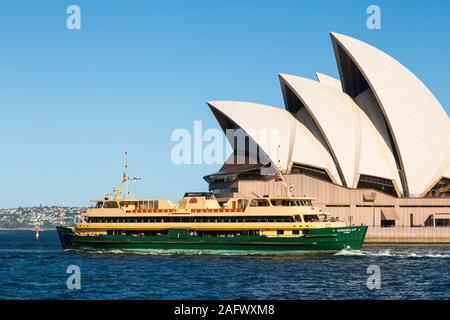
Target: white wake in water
x: 347, y: 252
x: 410, y: 253
x: 392, y: 252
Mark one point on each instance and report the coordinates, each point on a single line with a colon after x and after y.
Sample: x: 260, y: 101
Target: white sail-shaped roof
x: 352, y: 136
x: 337, y: 117
x: 378, y: 120
x: 271, y: 127
x: 309, y: 151
x: 418, y: 124
x: 375, y: 158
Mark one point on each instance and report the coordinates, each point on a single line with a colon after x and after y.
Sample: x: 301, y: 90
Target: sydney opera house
x: 371, y: 147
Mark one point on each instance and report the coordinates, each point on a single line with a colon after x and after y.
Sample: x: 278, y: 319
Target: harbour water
x: 31, y: 269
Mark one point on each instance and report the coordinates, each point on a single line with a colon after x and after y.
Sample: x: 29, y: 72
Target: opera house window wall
x: 376, y: 183
x: 372, y: 146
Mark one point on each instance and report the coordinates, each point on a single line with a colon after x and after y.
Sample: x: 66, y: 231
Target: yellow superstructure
x: 201, y: 212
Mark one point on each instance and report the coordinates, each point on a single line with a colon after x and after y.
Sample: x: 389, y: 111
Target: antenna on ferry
x: 289, y: 188
x: 280, y: 177
x: 126, y: 175
x: 278, y: 156
x: 279, y: 164
x: 124, y: 182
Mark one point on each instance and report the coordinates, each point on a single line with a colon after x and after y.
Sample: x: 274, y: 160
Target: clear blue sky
x: 73, y: 101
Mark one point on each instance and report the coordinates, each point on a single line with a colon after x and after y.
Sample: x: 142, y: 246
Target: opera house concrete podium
x: 372, y: 147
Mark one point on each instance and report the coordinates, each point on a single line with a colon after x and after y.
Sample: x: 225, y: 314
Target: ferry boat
x: 198, y: 222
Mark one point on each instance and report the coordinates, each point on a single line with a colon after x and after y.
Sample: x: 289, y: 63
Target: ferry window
x: 276, y: 203
x: 147, y: 204
x: 311, y: 218
x: 280, y: 232
x: 284, y: 203
x: 99, y: 205
x: 110, y: 204
x: 242, y: 203
x: 259, y: 203
x: 295, y: 231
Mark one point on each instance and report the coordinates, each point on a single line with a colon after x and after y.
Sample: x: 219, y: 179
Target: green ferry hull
x: 316, y: 240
